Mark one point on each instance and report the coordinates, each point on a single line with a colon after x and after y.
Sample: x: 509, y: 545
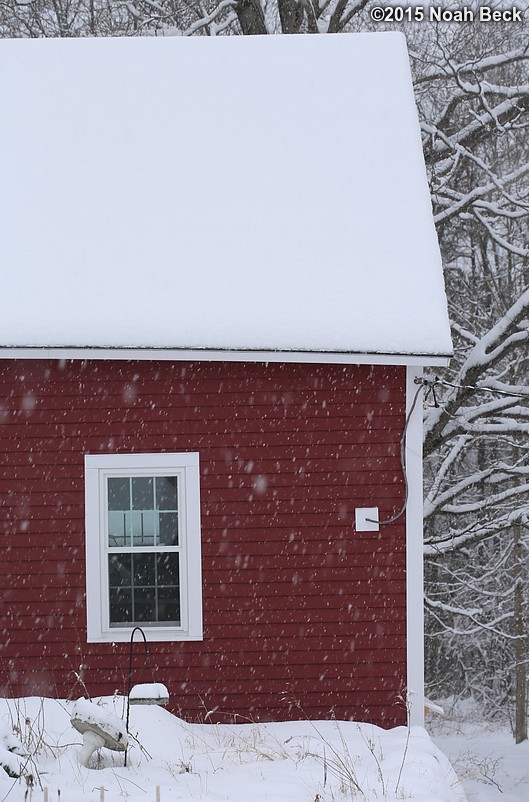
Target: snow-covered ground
x: 484, y: 755
x: 302, y: 761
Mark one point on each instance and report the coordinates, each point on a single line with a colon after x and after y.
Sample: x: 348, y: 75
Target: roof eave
x: 225, y: 355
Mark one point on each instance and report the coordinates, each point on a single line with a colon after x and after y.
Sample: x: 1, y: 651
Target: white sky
x: 233, y: 192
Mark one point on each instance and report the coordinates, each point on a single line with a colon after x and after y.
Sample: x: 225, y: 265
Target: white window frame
x: 98, y: 467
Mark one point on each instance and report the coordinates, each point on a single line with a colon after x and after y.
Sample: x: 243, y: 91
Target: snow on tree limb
x: 510, y: 331
x: 475, y: 196
x: 473, y: 66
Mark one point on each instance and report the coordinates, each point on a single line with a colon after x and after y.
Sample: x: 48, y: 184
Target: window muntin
x: 143, y: 546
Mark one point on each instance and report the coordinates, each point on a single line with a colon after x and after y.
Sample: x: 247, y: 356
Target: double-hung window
x: 143, y: 546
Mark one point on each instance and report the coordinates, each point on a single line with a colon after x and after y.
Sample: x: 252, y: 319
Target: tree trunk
x: 251, y: 17
x: 520, y: 726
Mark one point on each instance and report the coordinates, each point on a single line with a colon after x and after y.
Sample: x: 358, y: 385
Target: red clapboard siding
x: 302, y: 616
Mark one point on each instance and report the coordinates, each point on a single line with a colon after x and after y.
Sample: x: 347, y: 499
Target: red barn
x: 221, y: 282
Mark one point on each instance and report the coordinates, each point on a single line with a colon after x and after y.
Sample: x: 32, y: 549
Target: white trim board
x: 414, y: 551
x: 202, y: 355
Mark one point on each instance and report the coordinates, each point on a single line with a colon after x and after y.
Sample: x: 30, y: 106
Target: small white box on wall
x: 366, y: 519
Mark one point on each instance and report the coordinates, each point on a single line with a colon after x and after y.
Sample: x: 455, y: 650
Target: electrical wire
x: 430, y: 386
x: 402, y: 463
x: 443, y: 382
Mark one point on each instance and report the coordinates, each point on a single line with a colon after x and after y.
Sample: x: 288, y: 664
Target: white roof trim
x: 183, y: 355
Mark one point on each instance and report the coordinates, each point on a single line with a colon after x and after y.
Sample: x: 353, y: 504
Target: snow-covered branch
x: 509, y: 332
x: 472, y: 67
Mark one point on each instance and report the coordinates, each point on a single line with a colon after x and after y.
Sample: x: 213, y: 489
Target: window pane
x: 119, y: 570
x: 168, y: 522
x: 144, y: 529
x: 169, y: 605
x: 119, y: 493
x: 117, y: 528
x: 166, y: 498
x: 142, y: 493
x: 143, y: 571
x: 120, y: 606
x: 144, y: 604
x: 167, y: 569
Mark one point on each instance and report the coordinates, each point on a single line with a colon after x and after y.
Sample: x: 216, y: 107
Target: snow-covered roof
x: 237, y: 194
